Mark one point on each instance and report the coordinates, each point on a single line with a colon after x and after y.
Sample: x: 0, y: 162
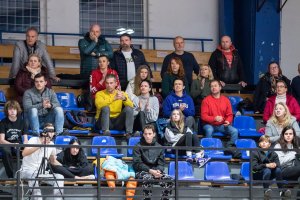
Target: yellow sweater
x: 103, y: 98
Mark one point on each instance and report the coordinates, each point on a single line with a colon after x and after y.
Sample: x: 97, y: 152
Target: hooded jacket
x: 173, y: 102
x: 222, y: 70
x: 260, y: 159
x: 172, y: 133
x: 146, y: 159
x: 87, y: 46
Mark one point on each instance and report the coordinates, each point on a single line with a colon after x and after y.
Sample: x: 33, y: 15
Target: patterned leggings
x: 148, y: 181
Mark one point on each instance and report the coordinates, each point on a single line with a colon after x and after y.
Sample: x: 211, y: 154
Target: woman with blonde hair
x: 281, y: 118
x: 175, y: 70
x: 133, y: 87
x: 177, y: 133
x: 200, y: 87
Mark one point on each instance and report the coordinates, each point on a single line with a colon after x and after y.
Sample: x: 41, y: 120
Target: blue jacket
x: 173, y: 101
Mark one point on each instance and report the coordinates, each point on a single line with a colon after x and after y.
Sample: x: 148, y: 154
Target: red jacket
x: 291, y: 103
x: 212, y: 107
x: 96, y: 77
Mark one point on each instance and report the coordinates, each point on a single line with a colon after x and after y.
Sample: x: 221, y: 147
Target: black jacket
x: 221, y: 69
x: 67, y: 160
x: 119, y: 64
x: 260, y: 159
x: 146, y: 159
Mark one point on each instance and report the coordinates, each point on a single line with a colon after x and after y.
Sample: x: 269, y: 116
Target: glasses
x: 280, y: 86
x: 287, y: 133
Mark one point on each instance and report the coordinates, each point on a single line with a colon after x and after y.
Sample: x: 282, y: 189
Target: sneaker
x: 267, y: 194
x: 202, y: 161
x: 92, y: 176
x: 189, y: 159
x: 286, y: 194
x: 137, y: 134
x: 107, y: 133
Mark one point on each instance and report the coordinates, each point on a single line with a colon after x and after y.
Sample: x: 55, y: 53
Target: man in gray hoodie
x: 42, y: 106
x: 29, y: 46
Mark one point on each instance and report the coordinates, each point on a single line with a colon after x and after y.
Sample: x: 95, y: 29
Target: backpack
x: 78, y: 119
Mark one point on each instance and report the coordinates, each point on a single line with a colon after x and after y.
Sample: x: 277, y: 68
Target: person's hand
x: 243, y: 84
x: 56, y: 79
x: 120, y: 96
x: 147, y: 106
x: 46, y: 103
x: 226, y: 123
x: 222, y: 83
x: 218, y: 118
x: 93, y: 37
x: 182, y: 106
x: 93, y: 54
x: 103, y: 78
x: 155, y: 173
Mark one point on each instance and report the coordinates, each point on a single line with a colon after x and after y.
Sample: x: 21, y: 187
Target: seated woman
x: 73, y: 162
x: 200, y: 87
x: 266, y: 86
x: 178, y: 134
x: 97, y: 79
x: 281, y: 118
x: 146, y: 106
x: 25, y: 77
x: 133, y: 87
x: 175, y: 70
x: 287, y: 141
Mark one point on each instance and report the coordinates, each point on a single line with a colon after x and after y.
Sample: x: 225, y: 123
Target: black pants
x: 140, y: 122
x: 72, y: 172
x: 291, y: 173
x: 187, y: 140
x: 7, y: 153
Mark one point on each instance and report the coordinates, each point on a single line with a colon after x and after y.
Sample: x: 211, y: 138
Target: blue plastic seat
x: 185, y: 170
x: 2, y: 115
x: 83, y: 132
x: 68, y: 101
x: 114, y: 132
x: 132, y: 142
x: 214, y: 154
x: 245, y: 143
x: 105, y: 141
x: 246, y: 126
x: 63, y: 139
x: 234, y: 101
x: 245, y: 171
x: 2, y: 97
x: 218, y: 172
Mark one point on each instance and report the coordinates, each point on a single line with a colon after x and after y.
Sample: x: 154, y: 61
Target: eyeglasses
x: 287, y: 133
x: 280, y: 86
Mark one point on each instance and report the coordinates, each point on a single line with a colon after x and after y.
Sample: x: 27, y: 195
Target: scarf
x: 33, y: 71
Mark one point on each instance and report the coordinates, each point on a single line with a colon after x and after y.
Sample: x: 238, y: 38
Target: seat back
x: 2, y: 97
x: 63, y: 139
x: 216, y: 171
x: 67, y: 99
x: 245, y: 143
x: 185, y: 170
x: 234, y: 101
x: 2, y: 115
x: 104, y: 141
x: 244, y: 123
x: 212, y: 143
x: 245, y: 170
x: 132, y: 142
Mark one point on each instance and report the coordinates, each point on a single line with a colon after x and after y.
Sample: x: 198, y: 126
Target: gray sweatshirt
x: 272, y: 129
x: 286, y: 159
x: 152, y: 113
x: 20, y: 57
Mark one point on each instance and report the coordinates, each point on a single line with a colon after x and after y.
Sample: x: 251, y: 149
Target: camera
x: 46, y: 132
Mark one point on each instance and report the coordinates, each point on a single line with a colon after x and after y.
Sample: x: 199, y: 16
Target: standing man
x: 41, y: 106
x: 32, y: 159
x: 91, y: 47
x: 216, y: 113
x: 178, y: 99
x: 27, y: 47
x: 110, y: 112
x: 190, y: 64
x: 226, y: 63
x: 127, y: 60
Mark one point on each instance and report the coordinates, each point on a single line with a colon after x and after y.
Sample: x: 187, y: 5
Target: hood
x: 232, y: 48
x: 177, y: 97
x: 144, y: 143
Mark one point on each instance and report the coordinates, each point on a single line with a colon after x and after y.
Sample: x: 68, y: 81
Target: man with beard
x: 91, y: 47
x: 126, y: 60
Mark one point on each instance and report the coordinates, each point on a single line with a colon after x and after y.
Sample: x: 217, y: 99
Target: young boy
x: 266, y: 166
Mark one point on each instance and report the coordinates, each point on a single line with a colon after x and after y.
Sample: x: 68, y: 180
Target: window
x: 114, y: 16
x: 18, y: 15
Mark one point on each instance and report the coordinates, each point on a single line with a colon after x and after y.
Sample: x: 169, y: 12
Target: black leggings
x: 72, y: 172
x: 187, y: 140
x: 291, y: 173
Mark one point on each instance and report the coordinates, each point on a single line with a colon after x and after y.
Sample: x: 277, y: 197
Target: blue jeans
x: 268, y: 174
x: 55, y: 117
x: 228, y: 130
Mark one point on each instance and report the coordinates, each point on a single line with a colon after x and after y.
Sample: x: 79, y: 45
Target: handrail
x: 153, y: 38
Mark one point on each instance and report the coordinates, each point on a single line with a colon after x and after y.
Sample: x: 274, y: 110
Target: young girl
x: 288, y: 140
x: 133, y: 87
x: 175, y: 70
x: 200, y: 87
x: 97, y: 78
x: 281, y: 118
x: 178, y: 134
x: 74, y: 162
x: 146, y: 106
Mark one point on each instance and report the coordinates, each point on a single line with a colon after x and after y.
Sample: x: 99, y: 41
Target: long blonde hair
x: 286, y: 118
x: 180, y: 124
x: 210, y: 74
